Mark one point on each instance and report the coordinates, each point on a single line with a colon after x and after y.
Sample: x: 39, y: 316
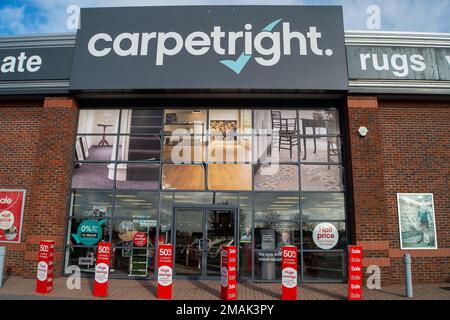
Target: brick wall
x: 407, y: 150
x: 36, y: 152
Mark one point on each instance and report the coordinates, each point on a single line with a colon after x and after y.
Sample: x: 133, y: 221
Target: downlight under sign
x: 203, y: 47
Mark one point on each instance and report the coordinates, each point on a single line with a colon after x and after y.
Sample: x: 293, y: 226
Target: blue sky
x: 50, y: 16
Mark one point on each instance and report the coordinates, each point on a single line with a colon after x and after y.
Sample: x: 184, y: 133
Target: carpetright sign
x: 202, y: 47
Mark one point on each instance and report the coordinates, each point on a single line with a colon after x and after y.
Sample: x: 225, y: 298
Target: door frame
x: 204, y: 208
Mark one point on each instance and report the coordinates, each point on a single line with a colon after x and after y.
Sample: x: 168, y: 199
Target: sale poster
x: 12, y: 203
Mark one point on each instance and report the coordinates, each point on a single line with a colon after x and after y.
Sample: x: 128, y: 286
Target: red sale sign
x: 228, y: 264
x: 102, y: 264
x: 44, y: 281
x: 289, y: 265
x: 355, y: 279
x: 12, y: 203
x: 140, y: 239
x: 165, y: 271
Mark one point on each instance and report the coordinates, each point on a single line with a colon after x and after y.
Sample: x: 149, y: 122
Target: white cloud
x: 12, y: 18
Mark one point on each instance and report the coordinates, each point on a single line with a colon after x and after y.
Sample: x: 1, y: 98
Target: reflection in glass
x: 83, y: 257
x: 183, y: 177
x: 323, y: 206
x: 137, y: 204
x: 268, y: 265
x: 274, y: 235
x: 321, y: 178
x: 323, y: 266
x: 229, y: 177
x: 87, y: 204
x: 276, y: 206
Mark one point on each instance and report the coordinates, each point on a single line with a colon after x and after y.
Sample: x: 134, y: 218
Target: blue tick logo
x: 239, y: 64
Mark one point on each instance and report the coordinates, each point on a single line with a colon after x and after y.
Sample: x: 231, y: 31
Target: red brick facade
x: 36, y: 154
x: 406, y: 150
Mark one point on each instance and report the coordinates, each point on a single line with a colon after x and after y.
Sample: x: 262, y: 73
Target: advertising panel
x: 228, y: 275
x: 355, y: 276
x: 46, y: 257
x: 289, y: 266
x: 165, y: 271
x: 12, y: 204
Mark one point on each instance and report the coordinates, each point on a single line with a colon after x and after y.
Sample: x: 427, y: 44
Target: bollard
x: 2, y: 263
x: 408, y: 276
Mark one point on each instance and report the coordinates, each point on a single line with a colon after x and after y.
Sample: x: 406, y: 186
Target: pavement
x: 18, y: 288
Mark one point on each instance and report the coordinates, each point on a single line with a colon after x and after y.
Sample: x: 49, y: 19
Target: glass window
x: 83, y: 257
x: 322, y: 178
x: 190, y: 120
x: 236, y: 150
x: 274, y: 206
x: 124, y: 232
x: 275, y: 235
x: 141, y: 121
x: 98, y: 121
x: 91, y: 204
x: 137, y: 176
x: 136, y: 204
x: 183, y: 177
x: 139, y: 148
x: 268, y: 265
x: 323, y: 206
x: 322, y: 266
x: 93, y: 175
x: 276, y: 177
x: 269, y: 121
x: 325, y: 149
x: 184, y: 149
x: 276, y: 148
x: 229, y: 177
x: 95, y: 148
x: 137, y: 262
x: 319, y: 122
x: 226, y: 124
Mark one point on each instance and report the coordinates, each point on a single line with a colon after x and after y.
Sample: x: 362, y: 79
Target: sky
x: 19, y: 17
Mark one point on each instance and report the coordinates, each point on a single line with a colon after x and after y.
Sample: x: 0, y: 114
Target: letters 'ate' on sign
x: 210, y: 47
x: 35, y: 64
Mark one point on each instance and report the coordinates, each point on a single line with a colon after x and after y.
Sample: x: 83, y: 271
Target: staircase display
x: 144, y: 147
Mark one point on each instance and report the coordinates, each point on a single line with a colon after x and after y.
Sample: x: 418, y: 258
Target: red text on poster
x: 44, y: 278
x: 355, y: 281
x: 12, y: 203
x: 228, y: 273
x: 289, y: 265
x: 165, y: 271
x: 102, y: 264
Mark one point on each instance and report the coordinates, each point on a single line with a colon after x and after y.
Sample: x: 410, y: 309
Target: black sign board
x: 205, y: 47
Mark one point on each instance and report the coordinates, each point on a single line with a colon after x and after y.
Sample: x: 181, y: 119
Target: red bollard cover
x: 228, y: 281
x: 165, y: 271
x: 355, y: 257
x: 44, y: 281
x: 102, y: 264
x: 289, y: 267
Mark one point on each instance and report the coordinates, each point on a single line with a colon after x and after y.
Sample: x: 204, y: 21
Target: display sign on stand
x: 102, y: 264
x: 44, y: 281
x: 228, y: 276
x: 289, y: 266
x: 165, y: 271
x: 355, y: 257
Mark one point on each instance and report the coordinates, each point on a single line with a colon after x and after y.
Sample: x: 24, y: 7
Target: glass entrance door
x: 199, y: 235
